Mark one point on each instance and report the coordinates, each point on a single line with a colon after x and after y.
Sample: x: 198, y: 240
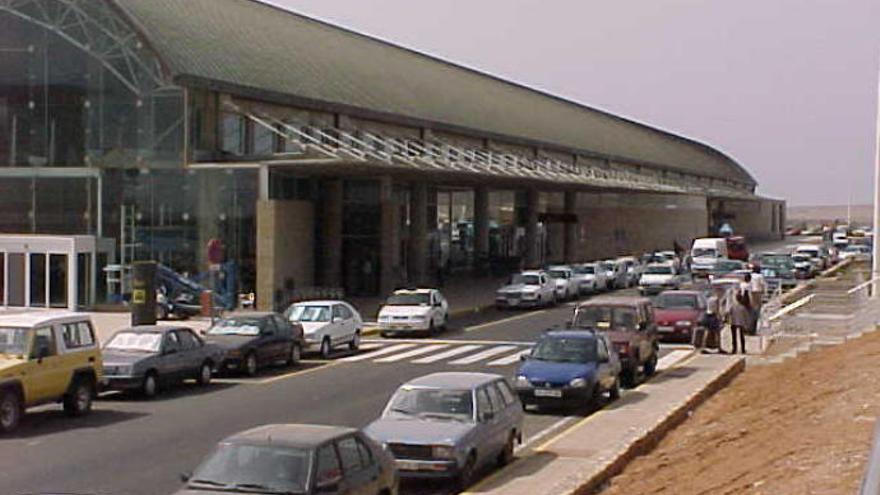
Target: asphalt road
x: 131, y: 446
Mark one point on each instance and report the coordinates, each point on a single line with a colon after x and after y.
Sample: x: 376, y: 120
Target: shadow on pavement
x: 47, y: 422
x: 673, y: 374
x: 168, y: 392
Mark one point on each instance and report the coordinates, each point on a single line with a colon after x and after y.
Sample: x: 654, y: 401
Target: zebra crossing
x: 453, y: 353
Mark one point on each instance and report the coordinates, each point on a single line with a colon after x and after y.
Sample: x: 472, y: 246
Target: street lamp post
x: 875, y: 267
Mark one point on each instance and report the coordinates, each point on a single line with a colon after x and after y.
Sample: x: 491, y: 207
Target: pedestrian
x: 741, y: 316
x: 708, y: 336
x: 757, y: 289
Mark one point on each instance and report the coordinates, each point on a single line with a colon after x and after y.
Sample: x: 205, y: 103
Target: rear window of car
x: 78, y: 335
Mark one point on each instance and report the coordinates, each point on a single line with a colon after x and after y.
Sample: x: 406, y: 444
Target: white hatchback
x: 327, y: 324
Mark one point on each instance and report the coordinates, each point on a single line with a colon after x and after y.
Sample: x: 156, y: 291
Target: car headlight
x: 522, y: 381
x: 578, y: 383
x: 442, y: 452
x: 683, y: 323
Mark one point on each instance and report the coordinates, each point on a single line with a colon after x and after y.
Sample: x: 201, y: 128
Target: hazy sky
x: 786, y: 87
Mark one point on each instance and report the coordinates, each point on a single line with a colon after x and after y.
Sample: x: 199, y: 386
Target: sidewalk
x: 588, y: 454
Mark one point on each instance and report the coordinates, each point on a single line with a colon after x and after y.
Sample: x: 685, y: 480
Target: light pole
x: 875, y: 267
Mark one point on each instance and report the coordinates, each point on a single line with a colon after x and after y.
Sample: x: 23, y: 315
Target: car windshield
x: 813, y: 253
x: 309, y: 313
x: 585, y: 270
x: 135, y: 341
x: 728, y: 266
x: 255, y: 468
x: 409, y: 299
x: 525, y: 279
x: 673, y: 300
x: 800, y: 258
x: 606, y: 317
x: 433, y: 403
x: 236, y: 326
x: 659, y: 270
x: 701, y: 252
x: 13, y: 340
x: 565, y: 350
x: 558, y: 273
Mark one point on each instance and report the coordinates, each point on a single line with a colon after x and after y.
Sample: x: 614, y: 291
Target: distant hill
x: 861, y: 214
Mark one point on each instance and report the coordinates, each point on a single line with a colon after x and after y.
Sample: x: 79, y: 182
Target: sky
x: 788, y: 88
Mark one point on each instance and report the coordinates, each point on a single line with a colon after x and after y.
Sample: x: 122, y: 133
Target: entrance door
x: 15, y: 279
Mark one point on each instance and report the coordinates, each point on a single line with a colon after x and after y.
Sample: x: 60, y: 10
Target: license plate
x: 548, y: 393
x: 665, y: 329
x: 401, y: 325
x: 408, y: 466
x: 513, y: 302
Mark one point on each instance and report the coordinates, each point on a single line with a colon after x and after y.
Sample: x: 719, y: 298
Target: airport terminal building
x: 317, y: 157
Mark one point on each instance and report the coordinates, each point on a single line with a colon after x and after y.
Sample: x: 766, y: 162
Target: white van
x: 705, y: 252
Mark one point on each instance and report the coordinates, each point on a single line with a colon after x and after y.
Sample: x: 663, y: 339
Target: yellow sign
x: 138, y: 296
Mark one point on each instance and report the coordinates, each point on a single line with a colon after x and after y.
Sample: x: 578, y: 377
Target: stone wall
x: 285, y: 247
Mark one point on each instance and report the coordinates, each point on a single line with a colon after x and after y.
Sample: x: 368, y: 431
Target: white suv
x: 413, y: 310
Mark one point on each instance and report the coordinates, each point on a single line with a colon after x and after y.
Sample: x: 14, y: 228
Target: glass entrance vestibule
x: 43, y: 271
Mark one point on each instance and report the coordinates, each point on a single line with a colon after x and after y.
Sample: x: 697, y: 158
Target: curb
x: 651, y: 438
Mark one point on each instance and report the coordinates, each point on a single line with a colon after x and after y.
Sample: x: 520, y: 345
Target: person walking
x: 757, y: 289
x: 708, y: 336
x: 741, y: 316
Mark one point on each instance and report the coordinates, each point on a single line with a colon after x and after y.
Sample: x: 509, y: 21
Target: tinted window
x: 281, y: 325
x: 348, y: 452
x: 268, y: 325
x: 495, y: 398
x: 44, y: 338
x: 327, y: 464
x: 188, y: 340
x: 172, y: 341
x: 344, y: 312
x: 483, y: 403
x: 601, y: 350
x: 366, y: 453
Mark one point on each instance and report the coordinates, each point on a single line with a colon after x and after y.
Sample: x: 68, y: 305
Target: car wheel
x: 466, y: 475
x: 294, y: 355
x: 355, y: 343
x: 206, y: 372
x: 151, y: 384
x: 10, y: 411
x: 650, y: 366
x: 506, y: 455
x: 614, y: 392
x: 445, y: 322
x: 595, y: 399
x: 250, y: 364
x: 326, y: 348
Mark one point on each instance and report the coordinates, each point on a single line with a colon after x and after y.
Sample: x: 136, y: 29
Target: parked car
x: 450, y: 425
x: 705, y: 252
x: 566, y: 286
x: 254, y: 340
x: 527, y: 289
x: 300, y: 459
x: 678, y: 314
x: 570, y: 367
x: 671, y: 257
x: 590, y: 278
x: 145, y: 358
x: 737, y: 248
x: 413, y: 311
x: 633, y: 270
x: 817, y: 253
x: 615, y: 274
x: 327, y: 324
x: 805, y: 266
x: 657, y: 278
x: 629, y: 323
x: 46, y: 357
x: 858, y: 252
x: 840, y: 240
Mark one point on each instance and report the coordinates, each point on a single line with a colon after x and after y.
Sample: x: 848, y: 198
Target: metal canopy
x: 337, y: 146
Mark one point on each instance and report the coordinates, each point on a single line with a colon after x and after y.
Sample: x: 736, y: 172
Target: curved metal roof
x: 250, y: 45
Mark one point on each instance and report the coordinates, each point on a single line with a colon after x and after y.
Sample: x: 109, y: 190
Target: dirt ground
x: 800, y: 427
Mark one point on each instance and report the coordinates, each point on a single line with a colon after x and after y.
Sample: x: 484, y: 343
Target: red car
x: 736, y: 248
x: 678, y: 313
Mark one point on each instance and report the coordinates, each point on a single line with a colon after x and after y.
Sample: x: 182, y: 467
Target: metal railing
x: 871, y: 481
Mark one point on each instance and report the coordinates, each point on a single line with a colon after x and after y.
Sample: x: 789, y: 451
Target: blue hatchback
x: 569, y: 367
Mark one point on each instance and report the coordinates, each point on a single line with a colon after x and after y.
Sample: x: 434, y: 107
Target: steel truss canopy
x: 95, y: 28
x: 330, y: 146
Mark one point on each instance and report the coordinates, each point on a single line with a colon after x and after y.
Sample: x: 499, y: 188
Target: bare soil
x: 803, y: 426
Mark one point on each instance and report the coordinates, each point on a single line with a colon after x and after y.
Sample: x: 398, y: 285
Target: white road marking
x: 506, y: 320
x: 493, y: 351
x: 455, y: 351
x: 509, y: 359
x: 414, y: 352
x: 380, y: 352
x: 672, y: 359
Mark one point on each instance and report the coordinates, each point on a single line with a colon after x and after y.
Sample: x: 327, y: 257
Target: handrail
x: 871, y: 481
x: 862, y: 286
x: 791, y: 307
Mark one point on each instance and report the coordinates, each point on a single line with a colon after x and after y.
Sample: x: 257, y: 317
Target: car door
x: 191, y: 353
x: 491, y: 435
x: 507, y: 421
x: 172, y: 361
x: 43, y: 376
x: 606, y: 372
x: 267, y: 345
x: 359, y: 479
x: 329, y: 478
x: 339, y: 324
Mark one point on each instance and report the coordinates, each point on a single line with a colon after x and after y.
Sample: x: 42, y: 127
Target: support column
x: 418, y: 234
x: 570, y: 240
x: 531, y: 254
x: 332, y: 245
x: 387, y: 236
x: 481, y: 226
